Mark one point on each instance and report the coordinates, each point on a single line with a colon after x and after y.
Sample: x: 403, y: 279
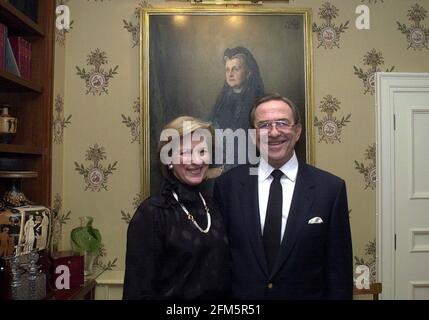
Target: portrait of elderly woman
x: 243, y: 85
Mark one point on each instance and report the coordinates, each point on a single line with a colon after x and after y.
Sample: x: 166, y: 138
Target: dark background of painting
x: 186, y: 69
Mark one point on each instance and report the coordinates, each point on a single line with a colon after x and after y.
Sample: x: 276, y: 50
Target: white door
x: 412, y: 194
x: 407, y: 98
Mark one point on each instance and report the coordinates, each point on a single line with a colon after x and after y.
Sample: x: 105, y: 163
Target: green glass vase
x: 87, y: 241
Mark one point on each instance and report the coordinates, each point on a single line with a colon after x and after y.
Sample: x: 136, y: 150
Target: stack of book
x: 15, y: 54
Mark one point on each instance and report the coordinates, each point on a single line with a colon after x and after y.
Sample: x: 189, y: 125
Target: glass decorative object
x: 87, y: 241
x: 36, y: 278
x: 19, y: 284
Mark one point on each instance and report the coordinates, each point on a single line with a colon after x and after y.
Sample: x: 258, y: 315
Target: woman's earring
x: 170, y: 167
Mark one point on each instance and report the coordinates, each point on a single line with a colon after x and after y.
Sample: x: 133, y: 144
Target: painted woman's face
x: 235, y: 73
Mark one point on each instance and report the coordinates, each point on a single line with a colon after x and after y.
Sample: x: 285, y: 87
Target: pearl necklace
x: 191, y: 217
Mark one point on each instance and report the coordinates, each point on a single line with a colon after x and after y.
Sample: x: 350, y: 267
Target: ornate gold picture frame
x: 183, y: 67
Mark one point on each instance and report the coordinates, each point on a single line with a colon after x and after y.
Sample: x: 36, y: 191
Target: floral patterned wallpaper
x: 96, y: 136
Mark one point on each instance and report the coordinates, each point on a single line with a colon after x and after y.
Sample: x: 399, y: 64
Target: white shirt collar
x: 289, y: 169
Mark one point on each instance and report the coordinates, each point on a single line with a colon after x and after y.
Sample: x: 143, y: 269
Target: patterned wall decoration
x: 99, y: 260
x: 95, y: 176
x: 135, y: 29
x: 329, y: 127
x: 417, y: 35
x: 369, y: 260
x: 59, y: 123
x: 374, y: 60
x: 59, y: 219
x: 116, y: 108
x: 126, y: 216
x: 133, y: 124
x: 97, y: 79
x: 60, y: 37
x: 368, y: 170
x: 328, y: 34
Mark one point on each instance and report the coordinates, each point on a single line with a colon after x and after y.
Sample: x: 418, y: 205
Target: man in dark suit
x: 288, y: 224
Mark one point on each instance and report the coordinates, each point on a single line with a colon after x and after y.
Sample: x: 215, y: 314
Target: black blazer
x: 315, y: 260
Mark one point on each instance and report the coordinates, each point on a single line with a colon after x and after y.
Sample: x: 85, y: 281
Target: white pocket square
x: 315, y: 220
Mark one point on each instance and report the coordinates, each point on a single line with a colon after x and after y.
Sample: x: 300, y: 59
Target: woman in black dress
x: 176, y: 244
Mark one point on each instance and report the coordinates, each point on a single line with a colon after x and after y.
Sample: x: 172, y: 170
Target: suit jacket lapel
x: 302, y: 200
x: 250, y: 209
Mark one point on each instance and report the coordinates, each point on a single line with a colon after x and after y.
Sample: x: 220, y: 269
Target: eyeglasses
x: 280, y: 124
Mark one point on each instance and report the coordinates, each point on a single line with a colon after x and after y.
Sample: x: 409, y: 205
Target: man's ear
x: 298, y: 129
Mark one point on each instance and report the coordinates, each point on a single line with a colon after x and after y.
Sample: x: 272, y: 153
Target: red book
x: 23, y: 67
x: 28, y: 60
x: 23, y: 44
x: 26, y: 49
x: 2, y: 45
x: 18, y: 51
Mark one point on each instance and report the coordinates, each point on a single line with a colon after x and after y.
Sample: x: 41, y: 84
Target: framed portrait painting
x: 188, y: 57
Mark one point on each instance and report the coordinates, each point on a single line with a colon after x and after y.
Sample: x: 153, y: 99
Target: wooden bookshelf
x: 12, y: 83
x: 17, y: 22
x: 31, y: 102
x: 20, y: 149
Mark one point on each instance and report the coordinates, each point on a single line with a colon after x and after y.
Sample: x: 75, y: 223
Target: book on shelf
x: 22, y: 52
x: 10, y: 63
x: 28, y: 60
x: 15, y: 54
x: 3, y: 36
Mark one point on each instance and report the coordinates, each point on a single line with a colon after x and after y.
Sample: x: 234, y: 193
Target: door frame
x: 387, y: 84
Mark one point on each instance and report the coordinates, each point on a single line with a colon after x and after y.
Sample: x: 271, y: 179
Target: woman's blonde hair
x: 192, y: 125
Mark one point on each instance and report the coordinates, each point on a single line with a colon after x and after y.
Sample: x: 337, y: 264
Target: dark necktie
x: 273, y: 220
